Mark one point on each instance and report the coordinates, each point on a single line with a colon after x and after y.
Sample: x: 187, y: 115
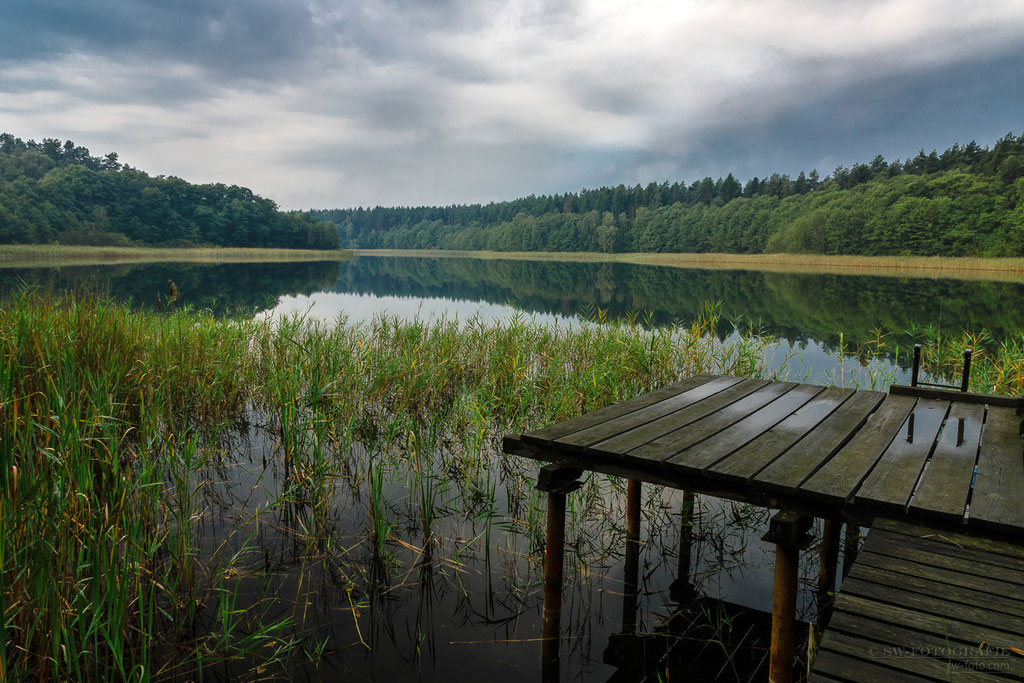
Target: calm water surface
x: 819, y: 321
x: 470, y: 606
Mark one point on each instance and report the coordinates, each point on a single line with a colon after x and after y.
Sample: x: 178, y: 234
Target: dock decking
x: 952, y: 461
x: 925, y: 605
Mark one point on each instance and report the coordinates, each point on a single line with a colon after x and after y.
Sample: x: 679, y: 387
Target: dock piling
x: 557, y: 481
x: 788, y: 531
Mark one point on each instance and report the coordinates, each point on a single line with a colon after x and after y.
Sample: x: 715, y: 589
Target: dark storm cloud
x: 895, y: 115
x: 246, y: 38
x: 328, y: 102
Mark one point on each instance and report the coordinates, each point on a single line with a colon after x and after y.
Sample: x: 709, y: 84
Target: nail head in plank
x: 763, y: 450
x: 946, y: 481
x: 998, y: 499
x: 551, y: 432
x: 839, y: 478
x: 892, y: 480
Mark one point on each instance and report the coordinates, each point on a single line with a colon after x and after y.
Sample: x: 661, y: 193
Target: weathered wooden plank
x: 946, y: 480
x: 750, y: 459
x: 711, y: 450
x: 949, y: 549
x: 839, y: 478
x: 926, y: 587
x: 548, y: 434
x: 940, y: 575
x: 666, y: 446
x: 892, y: 480
x: 884, y: 653
x: 900, y: 641
x: 846, y: 668
x: 967, y: 565
x: 788, y: 472
x: 677, y: 420
x: 928, y: 623
x: 962, y: 540
x: 935, y: 604
x: 954, y: 395
x: 998, y: 498
x: 616, y: 425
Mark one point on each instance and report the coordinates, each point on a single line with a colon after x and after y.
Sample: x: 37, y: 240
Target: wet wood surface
x: 938, y: 457
x: 935, y: 606
x: 937, y: 591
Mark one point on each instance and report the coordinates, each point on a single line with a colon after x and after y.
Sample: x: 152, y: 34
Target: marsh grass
x: 51, y: 255
x: 182, y: 491
x: 959, y: 268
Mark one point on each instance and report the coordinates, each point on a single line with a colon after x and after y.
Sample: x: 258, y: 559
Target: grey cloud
x: 895, y: 116
x: 353, y: 103
x: 245, y: 38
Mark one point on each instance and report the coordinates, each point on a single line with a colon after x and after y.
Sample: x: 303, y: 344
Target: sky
x: 334, y: 103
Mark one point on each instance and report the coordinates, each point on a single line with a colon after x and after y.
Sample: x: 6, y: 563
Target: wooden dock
x: 952, y: 461
x: 925, y: 605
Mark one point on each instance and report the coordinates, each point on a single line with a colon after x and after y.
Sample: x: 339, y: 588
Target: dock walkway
x: 950, y: 461
x: 925, y: 605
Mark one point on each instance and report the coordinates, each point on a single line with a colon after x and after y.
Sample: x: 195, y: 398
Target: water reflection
x: 821, y: 323
x: 817, y: 311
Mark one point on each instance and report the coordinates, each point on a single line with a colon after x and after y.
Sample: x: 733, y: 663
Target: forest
x: 54, y: 192
x: 966, y: 201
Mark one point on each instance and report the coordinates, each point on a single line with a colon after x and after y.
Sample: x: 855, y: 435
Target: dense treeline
x: 58, y: 192
x: 968, y: 200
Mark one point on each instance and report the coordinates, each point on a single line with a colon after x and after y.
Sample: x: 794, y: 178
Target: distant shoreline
x: 933, y: 267
x: 43, y: 256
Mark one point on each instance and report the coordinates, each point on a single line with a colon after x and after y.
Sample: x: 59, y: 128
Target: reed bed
x: 933, y: 267
x: 51, y: 255
x: 167, y: 475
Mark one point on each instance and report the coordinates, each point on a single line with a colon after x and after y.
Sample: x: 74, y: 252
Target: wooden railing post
x: 788, y: 531
x: 557, y: 481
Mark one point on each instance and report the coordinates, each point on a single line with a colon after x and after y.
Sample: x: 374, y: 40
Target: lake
x: 468, y: 599
x: 821, y: 323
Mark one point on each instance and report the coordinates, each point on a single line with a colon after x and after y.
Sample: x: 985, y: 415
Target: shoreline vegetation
x: 966, y: 201
x: 115, y: 450
x: 54, y: 192
x: 932, y: 267
x: 53, y: 255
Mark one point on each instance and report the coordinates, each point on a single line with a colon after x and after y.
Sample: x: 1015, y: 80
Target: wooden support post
x: 830, y: 538
x: 631, y: 563
x: 557, y: 481
x: 682, y: 588
x: 829, y: 566
x: 788, y: 531
x: 851, y: 543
